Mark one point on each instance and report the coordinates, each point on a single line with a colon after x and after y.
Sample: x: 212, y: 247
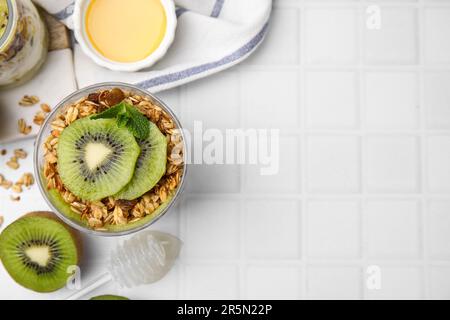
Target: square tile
x: 272, y: 229
x: 212, y: 228
x: 90, y: 245
x: 333, y: 229
x: 213, y: 101
x: 338, y: 108
x: 440, y: 282
x: 399, y: 283
x: 273, y: 282
x: 333, y: 282
x: 392, y: 164
x: 395, y: 42
x: 280, y: 47
x: 393, y: 229
x: 330, y: 35
x: 286, y: 179
x: 436, y: 40
x: 213, y: 179
x: 438, y: 222
x: 437, y: 99
x: 438, y: 163
x: 211, y: 282
x: 333, y: 164
x: 169, y: 222
x: 270, y: 99
x: 391, y: 100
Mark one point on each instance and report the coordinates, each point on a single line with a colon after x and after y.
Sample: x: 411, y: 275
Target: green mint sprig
x: 129, y: 117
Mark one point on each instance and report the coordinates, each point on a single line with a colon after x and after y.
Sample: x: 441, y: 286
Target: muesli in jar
x: 23, y: 42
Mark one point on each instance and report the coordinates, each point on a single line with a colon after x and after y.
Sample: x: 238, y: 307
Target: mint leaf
x: 112, y: 112
x: 138, y: 124
x: 127, y: 116
x: 122, y: 119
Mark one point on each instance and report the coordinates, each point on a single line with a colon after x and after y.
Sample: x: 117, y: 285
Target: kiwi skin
x: 109, y: 297
x: 46, y: 215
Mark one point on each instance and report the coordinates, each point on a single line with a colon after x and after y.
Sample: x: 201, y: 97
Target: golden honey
x: 125, y: 31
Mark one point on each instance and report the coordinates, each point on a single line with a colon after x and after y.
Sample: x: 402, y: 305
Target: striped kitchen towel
x: 212, y: 35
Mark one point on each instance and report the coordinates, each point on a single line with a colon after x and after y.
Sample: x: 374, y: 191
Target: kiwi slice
x: 96, y: 158
x: 37, y: 249
x: 109, y: 297
x: 150, y: 166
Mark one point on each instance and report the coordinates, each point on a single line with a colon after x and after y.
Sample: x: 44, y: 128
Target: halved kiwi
x: 109, y: 297
x: 96, y: 158
x: 37, y: 251
x: 150, y: 166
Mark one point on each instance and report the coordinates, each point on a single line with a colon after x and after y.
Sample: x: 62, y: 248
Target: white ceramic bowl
x: 83, y: 39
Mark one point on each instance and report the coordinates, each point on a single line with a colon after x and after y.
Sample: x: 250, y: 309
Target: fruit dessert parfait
x: 111, y: 159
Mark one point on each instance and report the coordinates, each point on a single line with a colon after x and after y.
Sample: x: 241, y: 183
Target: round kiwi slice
x: 96, y: 158
x: 150, y: 166
x: 109, y: 297
x: 37, y: 249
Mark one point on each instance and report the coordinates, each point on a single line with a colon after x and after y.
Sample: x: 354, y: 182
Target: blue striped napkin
x: 212, y: 35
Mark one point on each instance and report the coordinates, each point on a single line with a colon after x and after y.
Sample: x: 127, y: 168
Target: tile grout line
x: 242, y: 204
x: 361, y: 38
x: 182, y: 218
x: 423, y: 135
x: 303, y: 158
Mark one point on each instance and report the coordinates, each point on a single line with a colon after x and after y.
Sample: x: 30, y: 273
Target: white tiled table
x: 365, y: 176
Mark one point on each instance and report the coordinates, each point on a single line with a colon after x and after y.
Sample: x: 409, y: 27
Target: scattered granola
x: 13, y: 163
x: 108, y: 210
x: 27, y: 180
x: 3, y: 152
x: 6, y: 184
x: 14, y: 198
x: 28, y: 101
x: 23, y: 127
x: 17, y: 188
x: 39, y: 118
x: 20, y: 154
x: 45, y: 107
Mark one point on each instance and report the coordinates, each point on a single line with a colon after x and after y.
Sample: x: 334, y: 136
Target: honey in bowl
x: 125, y: 31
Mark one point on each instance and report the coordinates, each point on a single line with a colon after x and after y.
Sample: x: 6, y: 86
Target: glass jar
x: 57, y: 204
x: 23, y: 42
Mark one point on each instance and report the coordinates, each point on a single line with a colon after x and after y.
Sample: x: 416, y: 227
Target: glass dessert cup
x: 56, y: 201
